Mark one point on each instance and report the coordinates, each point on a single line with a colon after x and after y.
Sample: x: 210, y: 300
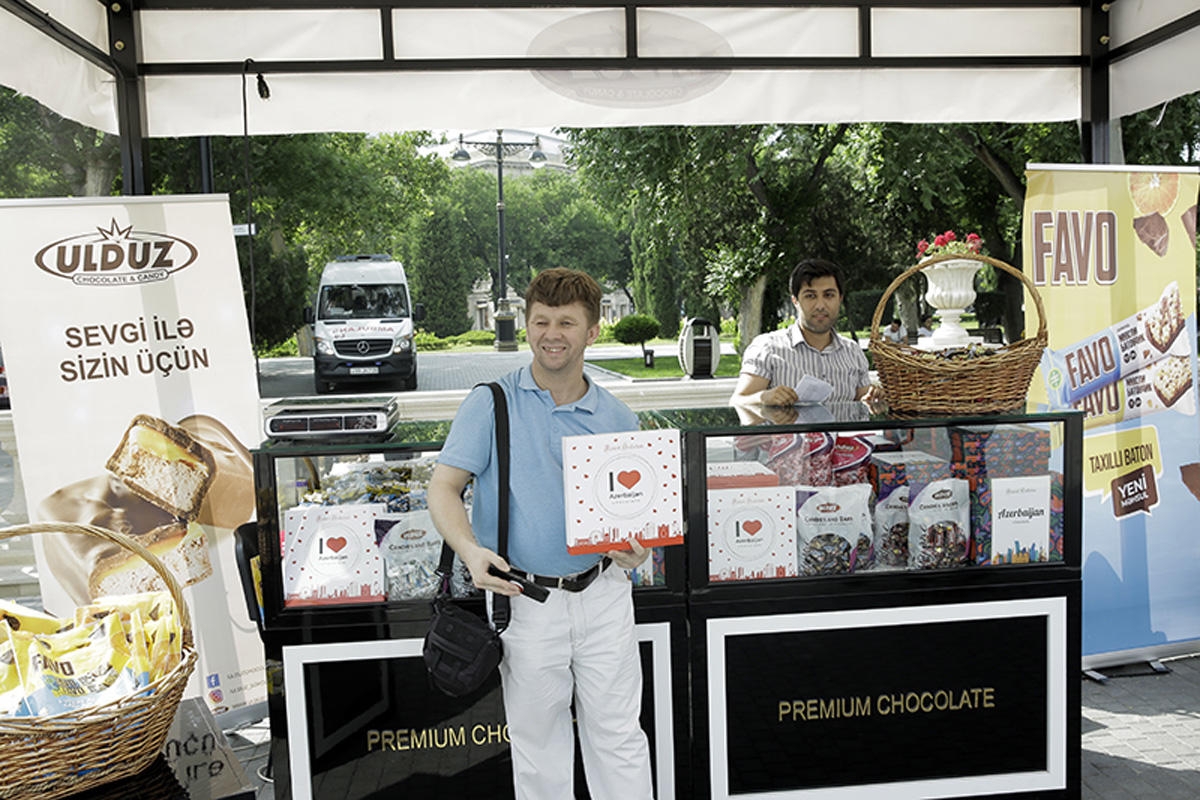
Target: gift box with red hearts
x: 751, y: 533
x: 330, y: 556
x: 622, y: 486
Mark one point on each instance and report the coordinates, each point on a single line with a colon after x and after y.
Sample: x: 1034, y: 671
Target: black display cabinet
x: 347, y: 554
x: 952, y: 672
x: 949, y: 673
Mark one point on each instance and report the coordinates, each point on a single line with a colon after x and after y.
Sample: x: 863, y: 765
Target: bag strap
x: 500, y: 602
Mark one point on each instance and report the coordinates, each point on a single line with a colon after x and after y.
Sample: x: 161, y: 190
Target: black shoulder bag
x: 461, y: 650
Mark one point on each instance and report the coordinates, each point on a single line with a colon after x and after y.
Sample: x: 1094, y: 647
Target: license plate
x: 364, y: 370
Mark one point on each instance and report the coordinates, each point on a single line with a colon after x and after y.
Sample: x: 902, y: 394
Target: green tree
x: 551, y: 223
x: 45, y: 155
x: 326, y: 194
x: 451, y: 246
x: 636, y: 329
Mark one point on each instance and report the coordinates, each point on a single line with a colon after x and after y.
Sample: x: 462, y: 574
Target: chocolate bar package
x: 1118, y: 351
x: 1164, y: 385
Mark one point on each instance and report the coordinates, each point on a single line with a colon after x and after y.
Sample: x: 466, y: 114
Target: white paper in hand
x: 813, y: 390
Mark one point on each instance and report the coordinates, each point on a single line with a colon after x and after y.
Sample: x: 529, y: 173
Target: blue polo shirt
x: 537, y: 539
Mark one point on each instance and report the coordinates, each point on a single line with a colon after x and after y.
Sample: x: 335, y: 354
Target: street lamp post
x: 506, y: 330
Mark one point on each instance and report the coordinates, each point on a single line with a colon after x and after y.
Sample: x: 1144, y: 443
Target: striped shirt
x: 784, y: 357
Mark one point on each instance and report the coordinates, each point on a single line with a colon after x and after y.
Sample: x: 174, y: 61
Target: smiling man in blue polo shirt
x: 580, y: 643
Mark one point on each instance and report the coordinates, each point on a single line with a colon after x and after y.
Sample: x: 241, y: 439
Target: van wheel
x: 324, y: 387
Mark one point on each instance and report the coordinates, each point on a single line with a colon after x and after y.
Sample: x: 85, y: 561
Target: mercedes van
x: 363, y: 323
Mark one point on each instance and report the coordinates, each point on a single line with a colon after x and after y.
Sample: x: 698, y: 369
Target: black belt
x: 568, y: 583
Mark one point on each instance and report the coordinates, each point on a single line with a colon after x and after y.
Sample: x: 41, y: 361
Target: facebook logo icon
x: 212, y: 680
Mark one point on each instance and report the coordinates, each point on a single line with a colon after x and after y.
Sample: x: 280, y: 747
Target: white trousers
x: 581, y: 645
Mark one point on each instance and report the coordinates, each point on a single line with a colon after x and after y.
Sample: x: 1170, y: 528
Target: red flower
x: 922, y: 246
x: 940, y: 240
x: 950, y: 237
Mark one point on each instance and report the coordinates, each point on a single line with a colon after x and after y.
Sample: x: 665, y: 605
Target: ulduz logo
x: 116, y: 256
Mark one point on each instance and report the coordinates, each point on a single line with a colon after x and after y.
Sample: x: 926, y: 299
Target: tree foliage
x: 45, y: 155
x: 635, y: 329
x: 451, y: 246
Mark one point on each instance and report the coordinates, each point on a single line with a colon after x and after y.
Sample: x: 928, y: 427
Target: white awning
x: 390, y: 66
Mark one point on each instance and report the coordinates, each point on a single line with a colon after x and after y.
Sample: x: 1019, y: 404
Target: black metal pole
x: 502, y: 289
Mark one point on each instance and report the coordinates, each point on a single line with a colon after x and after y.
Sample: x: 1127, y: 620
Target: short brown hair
x: 559, y: 286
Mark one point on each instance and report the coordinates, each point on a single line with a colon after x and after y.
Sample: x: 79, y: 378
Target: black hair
x: 809, y: 270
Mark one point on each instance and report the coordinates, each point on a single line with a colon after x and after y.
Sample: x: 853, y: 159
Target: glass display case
x: 355, y: 539
x: 881, y: 585
x: 829, y: 492
x: 898, y: 583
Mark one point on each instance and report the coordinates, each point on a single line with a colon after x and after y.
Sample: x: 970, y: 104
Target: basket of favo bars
x: 963, y: 380
x: 52, y: 755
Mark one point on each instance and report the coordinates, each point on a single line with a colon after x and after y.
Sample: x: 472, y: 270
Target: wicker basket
x: 60, y: 755
x: 915, y: 383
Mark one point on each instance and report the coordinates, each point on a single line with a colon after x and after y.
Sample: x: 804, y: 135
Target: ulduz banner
x: 134, y: 403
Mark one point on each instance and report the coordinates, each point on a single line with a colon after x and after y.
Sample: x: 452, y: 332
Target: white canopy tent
x: 149, y: 68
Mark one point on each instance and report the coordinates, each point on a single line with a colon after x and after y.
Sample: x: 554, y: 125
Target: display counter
x: 865, y: 607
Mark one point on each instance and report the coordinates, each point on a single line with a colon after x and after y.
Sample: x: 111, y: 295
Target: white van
x: 363, y: 324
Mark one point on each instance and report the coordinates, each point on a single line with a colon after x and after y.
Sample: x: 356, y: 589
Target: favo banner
x: 1112, y: 252
x: 134, y: 400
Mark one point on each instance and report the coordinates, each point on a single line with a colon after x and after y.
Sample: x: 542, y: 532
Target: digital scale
x: 340, y: 419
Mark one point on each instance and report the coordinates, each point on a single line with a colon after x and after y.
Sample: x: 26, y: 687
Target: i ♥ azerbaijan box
x: 622, y: 486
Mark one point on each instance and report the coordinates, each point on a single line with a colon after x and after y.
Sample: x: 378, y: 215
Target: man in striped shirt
x: 775, y: 362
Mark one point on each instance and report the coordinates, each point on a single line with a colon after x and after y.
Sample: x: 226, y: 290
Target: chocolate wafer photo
x: 1172, y: 378
x: 1165, y: 320
x: 164, y: 465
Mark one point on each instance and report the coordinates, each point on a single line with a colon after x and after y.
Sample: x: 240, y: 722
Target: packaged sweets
x: 891, y: 529
x: 851, y: 460
x: 411, y: 547
x: 12, y: 693
x: 738, y: 475
x: 833, y: 527
x: 939, y: 523
x: 801, y: 459
x: 889, y: 470
x: 979, y: 452
x: 151, y: 623
x: 20, y: 618
x: 1116, y: 352
x: 81, y: 667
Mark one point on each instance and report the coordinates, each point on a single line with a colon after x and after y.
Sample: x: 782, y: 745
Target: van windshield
x: 362, y: 301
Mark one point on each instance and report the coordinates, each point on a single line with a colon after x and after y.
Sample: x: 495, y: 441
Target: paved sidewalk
x: 1141, y: 733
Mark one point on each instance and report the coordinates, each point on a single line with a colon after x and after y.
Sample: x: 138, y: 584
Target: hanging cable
x: 264, y: 92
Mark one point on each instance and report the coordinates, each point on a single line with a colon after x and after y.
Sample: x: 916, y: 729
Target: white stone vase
x: 951, y: 290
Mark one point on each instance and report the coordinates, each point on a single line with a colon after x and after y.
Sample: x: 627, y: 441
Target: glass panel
x: 785, y: 504
x: 355, y: 528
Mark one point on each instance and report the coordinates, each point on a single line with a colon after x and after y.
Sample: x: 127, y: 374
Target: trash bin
x: 506, y: 331
x: 699, y: 348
